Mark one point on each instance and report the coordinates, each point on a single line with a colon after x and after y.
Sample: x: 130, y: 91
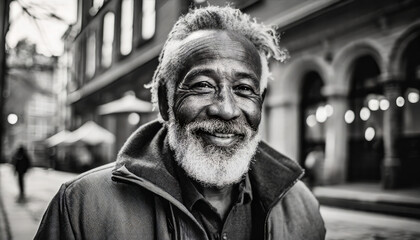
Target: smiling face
x: 221, y: 80
x: 213, y: 123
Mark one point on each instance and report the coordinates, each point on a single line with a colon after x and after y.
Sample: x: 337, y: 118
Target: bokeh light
x: 413, y: 96
x: 369, y: 133
x: 12, y: 118
x: 364, y: 113
x: 329, y: 110
x: 373, y: 104
x: 384, y: 104
x: 321, y: 114
x: 133, y: 118
x: 400, y: 101
x: 311, y: 120
x: 349, y: 116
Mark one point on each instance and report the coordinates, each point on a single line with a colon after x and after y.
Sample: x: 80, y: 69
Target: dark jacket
x: 139, y: 197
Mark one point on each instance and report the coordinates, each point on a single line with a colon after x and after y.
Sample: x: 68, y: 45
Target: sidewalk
x: 372, y: 198
x: 23, y: 218
x: 344, y: 224
x: 4, y: 224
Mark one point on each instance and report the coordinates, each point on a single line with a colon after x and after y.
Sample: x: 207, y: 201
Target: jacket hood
x: 146, y: 154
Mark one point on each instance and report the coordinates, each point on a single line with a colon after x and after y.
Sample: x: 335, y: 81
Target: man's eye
x: 244, y: 89
x: 202, y: 85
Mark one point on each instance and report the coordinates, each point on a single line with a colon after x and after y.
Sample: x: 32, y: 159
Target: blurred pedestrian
x: 22, y: 163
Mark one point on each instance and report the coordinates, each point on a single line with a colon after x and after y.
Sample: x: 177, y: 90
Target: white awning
x: 57, y: 138
x: 90, y: 133
x: 126, y: 104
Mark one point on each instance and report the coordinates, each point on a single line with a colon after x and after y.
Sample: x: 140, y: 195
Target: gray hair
x: 263, y: 37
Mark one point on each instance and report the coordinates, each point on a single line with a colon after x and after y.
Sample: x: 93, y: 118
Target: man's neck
x: 220, y: 198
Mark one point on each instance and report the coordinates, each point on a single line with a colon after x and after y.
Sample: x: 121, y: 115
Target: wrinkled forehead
x: 208, y: 45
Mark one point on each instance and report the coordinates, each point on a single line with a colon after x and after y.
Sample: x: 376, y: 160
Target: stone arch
x: 336, y: 158
x: 345, y: 59
x: 284, y: 99
x: 397, y: 52
x: 290, y: 80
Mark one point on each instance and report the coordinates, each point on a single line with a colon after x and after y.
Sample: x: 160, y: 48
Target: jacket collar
x: 272, y: 174
x: 146, y: 154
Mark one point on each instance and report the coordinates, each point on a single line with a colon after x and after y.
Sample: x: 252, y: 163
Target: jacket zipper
x: 279, y: 198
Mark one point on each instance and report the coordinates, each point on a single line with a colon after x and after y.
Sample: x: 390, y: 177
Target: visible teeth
x: 224, y: 135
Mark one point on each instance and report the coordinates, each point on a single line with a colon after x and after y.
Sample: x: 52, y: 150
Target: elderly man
x: 200, y: 172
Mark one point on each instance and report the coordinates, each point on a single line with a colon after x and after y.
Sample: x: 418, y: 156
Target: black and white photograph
x: 210, y: 119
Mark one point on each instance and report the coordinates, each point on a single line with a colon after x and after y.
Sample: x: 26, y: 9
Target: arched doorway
x: 409, y: 102
x: 314, y: 113
x: 365, y: 121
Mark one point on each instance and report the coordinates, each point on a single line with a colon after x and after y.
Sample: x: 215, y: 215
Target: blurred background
x: 344, y: 105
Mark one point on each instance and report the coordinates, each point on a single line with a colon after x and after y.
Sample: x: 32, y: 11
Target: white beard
x: 211, y: 166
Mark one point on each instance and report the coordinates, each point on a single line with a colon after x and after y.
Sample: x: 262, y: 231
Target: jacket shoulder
x: 93, y: 206
x: 100, y: 176
x: 297, y: 216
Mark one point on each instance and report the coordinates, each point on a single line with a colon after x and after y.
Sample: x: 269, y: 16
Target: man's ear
x: 163, y: 102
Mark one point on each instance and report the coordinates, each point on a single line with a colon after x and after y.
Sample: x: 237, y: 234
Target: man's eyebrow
x: 251, y: 76
x: 196, y: 72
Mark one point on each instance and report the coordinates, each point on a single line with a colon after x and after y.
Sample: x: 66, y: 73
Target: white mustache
x: 219, y: 127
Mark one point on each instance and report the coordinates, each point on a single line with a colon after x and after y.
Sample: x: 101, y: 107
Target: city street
x: 42, y: 184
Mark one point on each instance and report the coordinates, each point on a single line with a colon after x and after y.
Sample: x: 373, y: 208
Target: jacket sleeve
x: 56, y: 223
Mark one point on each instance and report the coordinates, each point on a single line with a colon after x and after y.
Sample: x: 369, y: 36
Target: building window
x: 90, y: 55
x: 127, y: 10
x: 108, y: 39
x: 149, y: 19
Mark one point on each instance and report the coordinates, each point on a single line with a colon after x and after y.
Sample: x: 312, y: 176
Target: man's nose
x: 224, y: 106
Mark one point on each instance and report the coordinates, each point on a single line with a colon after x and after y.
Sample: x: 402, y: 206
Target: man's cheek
x: 190, y: 108
x: 255, y: 121
x: 253, y: 115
